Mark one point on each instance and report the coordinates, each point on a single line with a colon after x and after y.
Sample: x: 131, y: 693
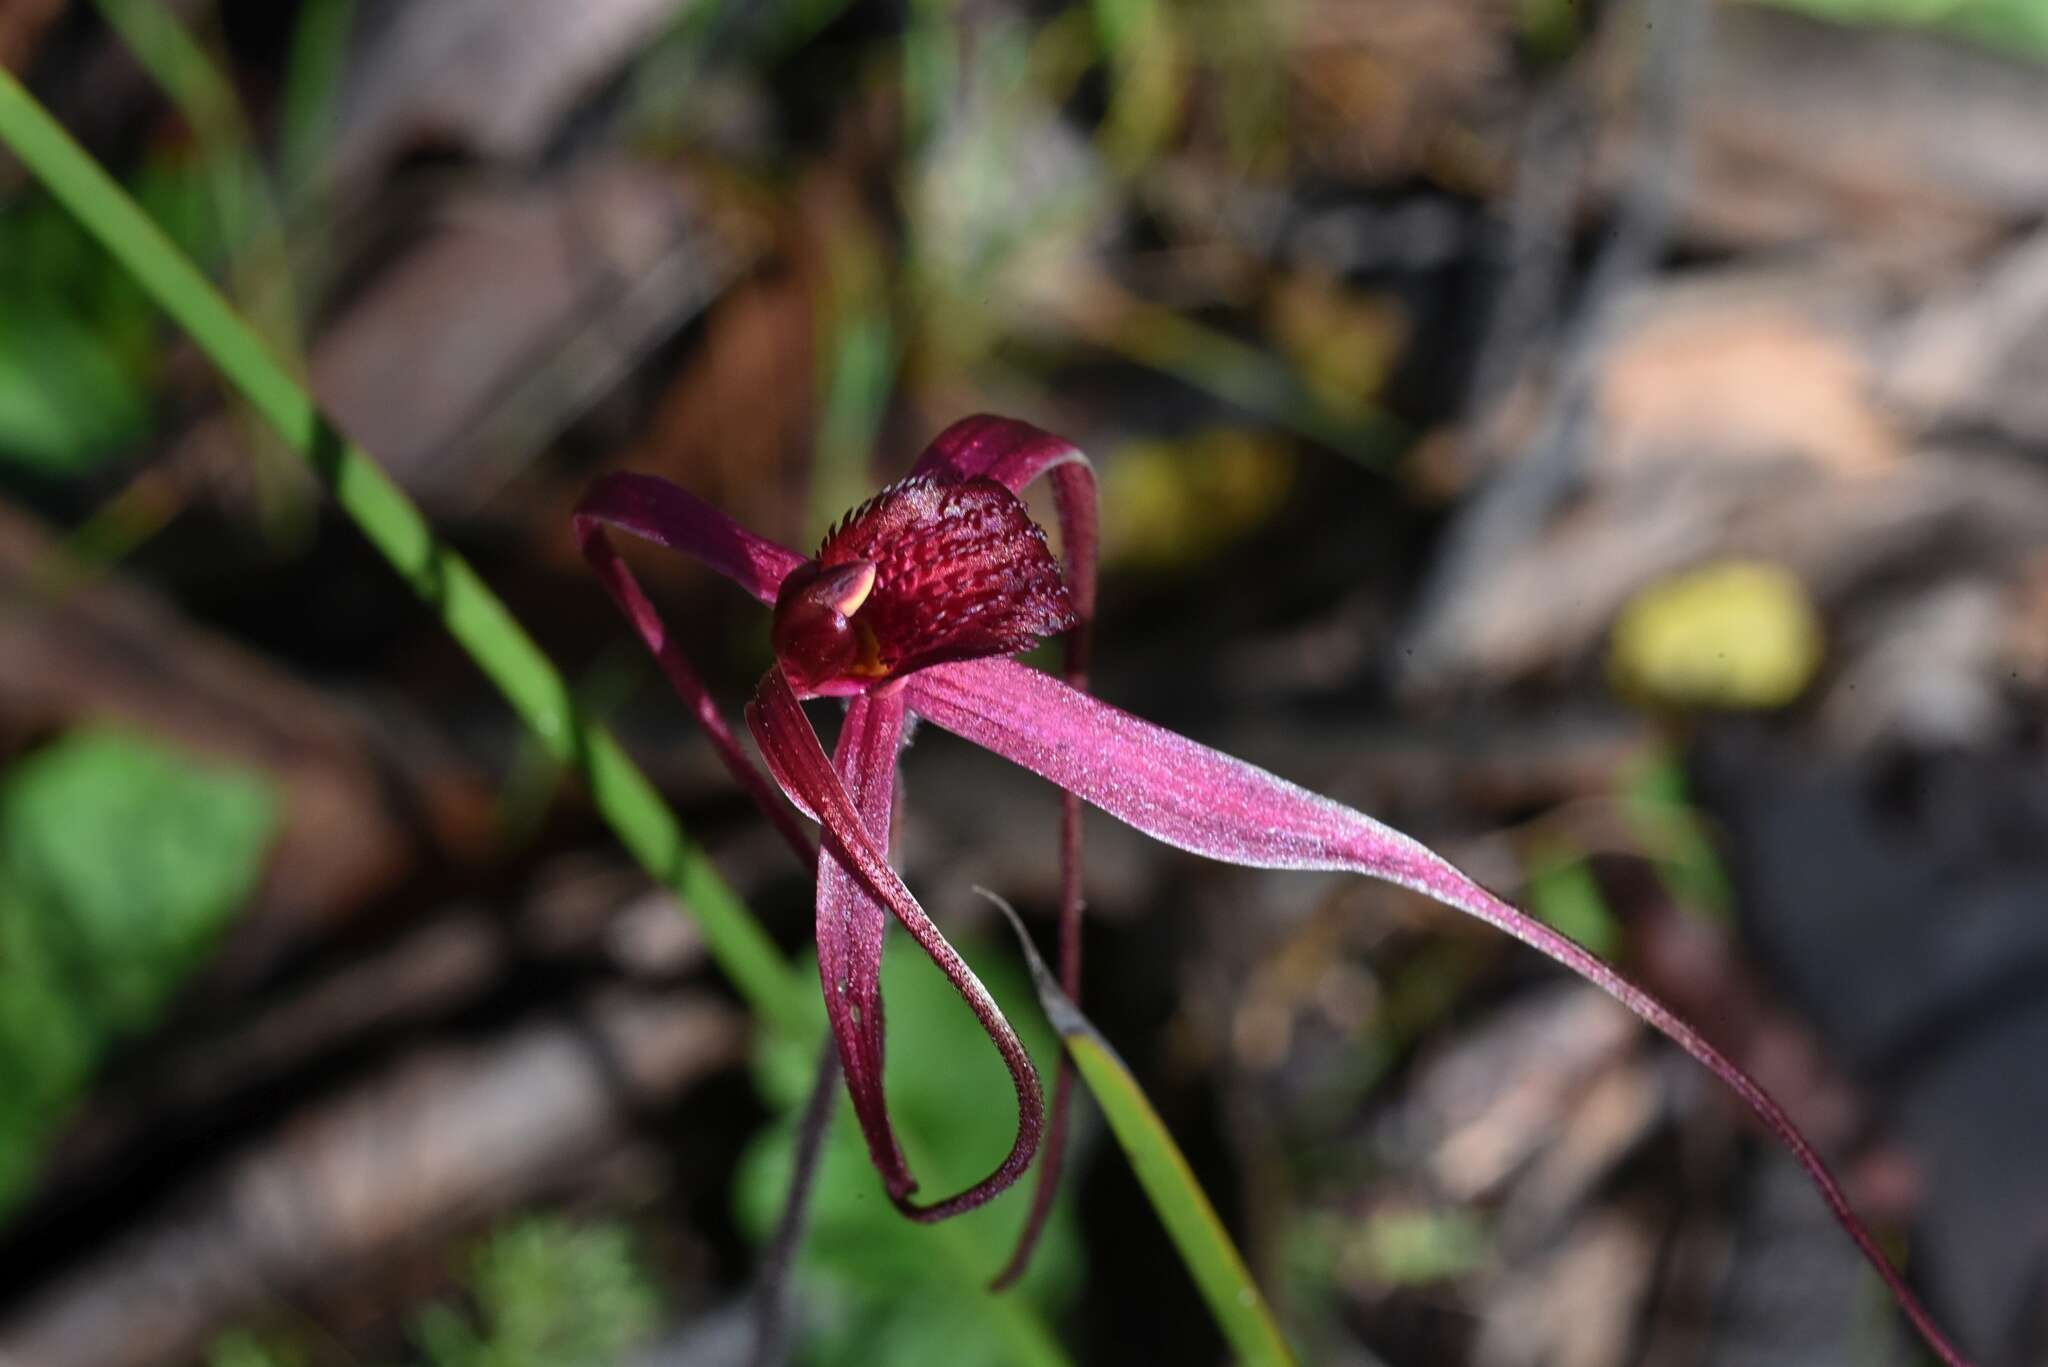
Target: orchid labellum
x: 912, y: 605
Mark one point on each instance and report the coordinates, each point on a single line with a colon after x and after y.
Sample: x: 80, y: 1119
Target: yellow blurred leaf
x: 1171, y: 503
x: 1343, y: 342
x: 1735, y: 634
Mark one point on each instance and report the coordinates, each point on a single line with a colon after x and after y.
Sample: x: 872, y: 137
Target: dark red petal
x: 798, y: 762
x: 1013, y: 453
x: 1009, y: 451
x: 1202, y: 800
x: 655, y: 510
x: 961, y: 571
x: 851, y: 924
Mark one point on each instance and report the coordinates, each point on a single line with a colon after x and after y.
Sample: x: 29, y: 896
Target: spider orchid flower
x: 912, y: 605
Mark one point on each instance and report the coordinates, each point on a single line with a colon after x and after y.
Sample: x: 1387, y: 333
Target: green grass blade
x: 391, y: 522
x: 778, y: 993
x: 1191, y: 1222
x: 258, y: 259
x: 249, y: 223
x: 312, y: 89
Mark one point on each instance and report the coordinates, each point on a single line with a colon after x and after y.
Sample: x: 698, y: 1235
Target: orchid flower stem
x: 393, y: 524
x: 773, y: 1307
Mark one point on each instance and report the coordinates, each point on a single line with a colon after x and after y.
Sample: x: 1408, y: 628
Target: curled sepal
x: 655, y: 510
x: 660, y: 512
x: 925, y: 572
x: 1186, y: 794
x: 798, y: 762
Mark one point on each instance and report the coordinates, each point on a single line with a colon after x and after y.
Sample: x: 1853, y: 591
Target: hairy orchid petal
x: 637, y: 502
x: 798, y: 762
x: 653, y: 509
x: 1015, y: 454
x: 922, y: 573
x: 851, y: 924
x: 1202, y: 800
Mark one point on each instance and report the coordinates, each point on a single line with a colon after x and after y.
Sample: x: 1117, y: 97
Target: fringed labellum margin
x: 924, y: 573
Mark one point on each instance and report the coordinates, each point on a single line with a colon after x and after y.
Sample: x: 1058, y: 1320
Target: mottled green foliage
x: 540, y: 1291
x: 548, y: 1293
x: 120, y: 861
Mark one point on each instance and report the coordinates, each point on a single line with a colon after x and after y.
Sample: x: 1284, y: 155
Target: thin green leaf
x: 472, y: 614
x: 1218, y: 1269
x: 394, y: 525
x: 312, y: 90
x: 247, y: 222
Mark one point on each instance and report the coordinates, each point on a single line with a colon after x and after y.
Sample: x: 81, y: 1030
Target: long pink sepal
x: 1210, y: 803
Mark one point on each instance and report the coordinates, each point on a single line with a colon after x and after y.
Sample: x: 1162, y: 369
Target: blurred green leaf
x: 2017, y: 27
x: 1660, y: 812
x: 1551, y: 30
x: 241, y: 1348
x: 549, y: 1293
x: 1148, y: 56
x: 1564, y: 894
x: 1171, y: 504
x: 68, y: 398
x: 1410, y: 1247
x: 79, y: 344
x: 120, y: 862
x: 312, y: 91
x: 876, y: 1287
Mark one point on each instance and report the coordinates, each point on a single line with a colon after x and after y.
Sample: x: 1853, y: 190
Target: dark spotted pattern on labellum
x: 925, y: 572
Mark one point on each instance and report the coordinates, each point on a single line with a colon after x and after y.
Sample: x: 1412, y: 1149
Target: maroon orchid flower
x: 911, y: 606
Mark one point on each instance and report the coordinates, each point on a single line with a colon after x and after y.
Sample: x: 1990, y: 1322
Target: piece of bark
x: 21, y: 26
x: 213, y: 1063
x: 494, y: 78
x: 426, y: 975
x: 1581, y: 1305
x: 1974, y: 357
x: 515, y: 311
x: 1899, y: 142
x: 442, y: 1139
x: 1500, y: 1095
x: 1743, y: 416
